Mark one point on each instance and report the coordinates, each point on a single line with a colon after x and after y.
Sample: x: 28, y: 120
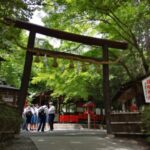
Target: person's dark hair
x: 50, y: 103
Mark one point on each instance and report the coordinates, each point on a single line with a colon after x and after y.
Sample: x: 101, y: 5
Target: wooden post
x: 89, y: 120
x: 106, y: 89
x: 26, y: 73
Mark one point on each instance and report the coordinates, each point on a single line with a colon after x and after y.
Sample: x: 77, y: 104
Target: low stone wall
x: 10, y: 121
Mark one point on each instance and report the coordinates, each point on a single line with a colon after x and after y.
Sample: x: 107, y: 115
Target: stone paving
x: 73, y: 140
x: 23, y: 142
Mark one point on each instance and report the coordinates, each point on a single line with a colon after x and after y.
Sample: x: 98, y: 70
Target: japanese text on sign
x: 146, y: 89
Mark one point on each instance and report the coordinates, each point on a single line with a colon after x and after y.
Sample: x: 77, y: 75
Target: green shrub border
x: 146, y: 121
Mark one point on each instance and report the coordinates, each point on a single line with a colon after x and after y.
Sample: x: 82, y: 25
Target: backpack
x: 29, y: 113
x: 42, y: 113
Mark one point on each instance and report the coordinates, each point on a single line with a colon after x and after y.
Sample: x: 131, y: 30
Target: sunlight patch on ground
x: 121, y: 149
x: 40, y: 140
x: 75, y: 142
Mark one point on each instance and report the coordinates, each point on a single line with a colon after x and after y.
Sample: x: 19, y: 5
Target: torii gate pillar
x: 106, y: 94
x: 26, y: 72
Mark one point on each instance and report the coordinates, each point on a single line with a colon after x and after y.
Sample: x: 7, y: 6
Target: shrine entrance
x: 31, y: 51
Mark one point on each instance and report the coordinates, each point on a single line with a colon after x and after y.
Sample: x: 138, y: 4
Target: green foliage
x: 22, y: 10
x: 146, y: 117
x: 12, y: 67
x: 13, y: 40
x: 18, y: 9
x: 117, y: 20
x: 10, y: 118
x: 70, y: 82
x: 146, y: 120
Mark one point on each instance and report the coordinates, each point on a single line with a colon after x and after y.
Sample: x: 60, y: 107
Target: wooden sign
x: 146, y: 89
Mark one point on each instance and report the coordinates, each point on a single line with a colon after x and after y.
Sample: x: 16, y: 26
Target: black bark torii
x: 70, y: 37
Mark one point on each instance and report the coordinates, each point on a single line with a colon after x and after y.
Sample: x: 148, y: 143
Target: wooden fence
x: 127, y: 123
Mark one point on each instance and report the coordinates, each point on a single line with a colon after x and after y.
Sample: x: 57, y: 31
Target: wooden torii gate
x: 33, y: 29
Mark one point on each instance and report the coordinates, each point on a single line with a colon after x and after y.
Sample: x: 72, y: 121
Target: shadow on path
x: 23, y: 142
x: 73, y: 140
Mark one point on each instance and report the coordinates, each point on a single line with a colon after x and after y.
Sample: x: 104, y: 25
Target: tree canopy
x: 118, y: 20
x: 13, y: 41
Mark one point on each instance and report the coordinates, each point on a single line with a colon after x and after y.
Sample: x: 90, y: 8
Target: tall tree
x: 12, y: 40
x: 17, y: 10
x: 119, y: 20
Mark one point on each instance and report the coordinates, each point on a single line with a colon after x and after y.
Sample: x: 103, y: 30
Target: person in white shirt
x: 51, y: 114
x: 28, y: 114
x: 34, y: 119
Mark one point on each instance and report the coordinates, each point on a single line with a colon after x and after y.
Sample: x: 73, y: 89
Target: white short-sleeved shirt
x: 51, y: 110
x: 43, y: 107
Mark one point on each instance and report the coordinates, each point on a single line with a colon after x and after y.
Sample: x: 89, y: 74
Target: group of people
x: 35, y: 117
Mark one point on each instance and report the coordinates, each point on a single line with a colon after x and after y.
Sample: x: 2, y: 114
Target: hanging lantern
x: 45, y: 60
x: 84, y: 68
x: 62, y: 68
x: 37, y: 58
x: 78, y: 67
x: 98, y: 69
x: 92, y: 68
x: 55, y: 64
x: 71, y: 65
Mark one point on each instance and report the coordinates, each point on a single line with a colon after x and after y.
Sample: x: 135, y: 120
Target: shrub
x: 10, y: 119
x: 146, y: 120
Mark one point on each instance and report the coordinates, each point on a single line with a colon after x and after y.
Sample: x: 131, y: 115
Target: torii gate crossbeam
x: 65, y: 36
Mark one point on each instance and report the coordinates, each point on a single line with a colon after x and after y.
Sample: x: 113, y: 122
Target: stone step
x: 67, y: 126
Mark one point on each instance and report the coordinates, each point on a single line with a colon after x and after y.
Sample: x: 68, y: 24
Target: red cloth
x: 133, y: 108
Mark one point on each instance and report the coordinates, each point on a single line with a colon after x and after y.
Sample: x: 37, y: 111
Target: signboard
x: 8, y: 98
x: 146, y: 89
